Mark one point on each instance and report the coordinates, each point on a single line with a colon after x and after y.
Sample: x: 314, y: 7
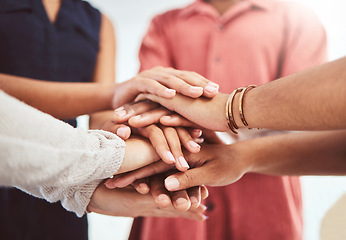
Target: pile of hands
x: 168, y: 120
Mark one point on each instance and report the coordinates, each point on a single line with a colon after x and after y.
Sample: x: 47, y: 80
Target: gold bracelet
x: 241, y: 103
x: 229, y: 123
x: 229, y: 111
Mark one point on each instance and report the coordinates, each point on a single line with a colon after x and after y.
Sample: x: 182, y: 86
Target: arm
x: 299, y: 153
x: 105, y: 68
x: 314, y: 99
x: 61, y: 100
x: 307, y: 153
x: 50, y: 159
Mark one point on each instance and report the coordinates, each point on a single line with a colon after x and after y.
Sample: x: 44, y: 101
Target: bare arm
x: 314, y: 99
x: 61, y: 100
x: 105, y: 68
x: 307, y: 153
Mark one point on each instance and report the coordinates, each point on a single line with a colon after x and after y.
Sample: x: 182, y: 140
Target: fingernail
x: 143, y: 186
x: 211, y: 89
x: 119, y: 109
x: 196, y: 89
x: 120, y: 113
x: 110, y: 184
x: 136, y: 118
x: 205, y: 217
x: 183, y: 162
x: 193, y: 144
x: 170, y: 157
x: 180, y: 201
x: 170, y: 92
x: 166, y: 118
x: 172, y: 183
x: 198, y: 132
x: 213, y: 84
x: 193, y: 200
x: 163, y: 197
x: 122, y: 132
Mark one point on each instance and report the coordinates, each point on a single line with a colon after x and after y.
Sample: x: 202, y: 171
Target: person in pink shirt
x: 236, y: 43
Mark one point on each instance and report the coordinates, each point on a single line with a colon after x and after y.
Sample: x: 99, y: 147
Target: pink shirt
x: 255, y: 42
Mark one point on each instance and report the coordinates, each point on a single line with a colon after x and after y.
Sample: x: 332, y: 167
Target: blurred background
x: 131, y: 19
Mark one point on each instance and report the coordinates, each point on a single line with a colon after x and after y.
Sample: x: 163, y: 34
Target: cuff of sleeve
x: 78, y: 198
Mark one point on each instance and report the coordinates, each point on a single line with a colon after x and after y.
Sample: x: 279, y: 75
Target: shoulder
x: 293, y: 8
x: 168, y: 17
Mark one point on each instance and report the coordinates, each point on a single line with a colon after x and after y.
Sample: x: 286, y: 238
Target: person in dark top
x: 55, y: 41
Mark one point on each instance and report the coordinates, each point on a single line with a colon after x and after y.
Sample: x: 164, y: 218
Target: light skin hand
x: 164, y: 82
x: 182, y: 200
x: 128, y: 202
x: 144, y: 113
x: 207, y: 113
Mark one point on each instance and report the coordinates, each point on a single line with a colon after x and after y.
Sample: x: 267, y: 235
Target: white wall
x: 131, y: 18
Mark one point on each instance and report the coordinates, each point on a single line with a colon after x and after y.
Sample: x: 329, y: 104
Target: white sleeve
x: 50, y: 159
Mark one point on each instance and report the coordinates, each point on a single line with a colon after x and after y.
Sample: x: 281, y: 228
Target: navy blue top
x: 65, y: 51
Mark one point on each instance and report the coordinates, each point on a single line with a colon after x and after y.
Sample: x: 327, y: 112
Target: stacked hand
x: 165, y: 143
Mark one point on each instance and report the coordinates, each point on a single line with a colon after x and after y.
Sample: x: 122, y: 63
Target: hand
x: 128, y: 202
x: 164, y: 82
x: 182, y: 200
x: 207, y: 113
x: 214, y: 165
x: 144, y: 113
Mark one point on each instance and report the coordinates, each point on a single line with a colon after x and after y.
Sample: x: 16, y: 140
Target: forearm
x: 51, y: 153
x: 314, y: 99
x: 61, y: 100
x: 302, y: 153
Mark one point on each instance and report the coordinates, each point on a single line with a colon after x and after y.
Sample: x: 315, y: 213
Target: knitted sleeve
x: 52, y: 160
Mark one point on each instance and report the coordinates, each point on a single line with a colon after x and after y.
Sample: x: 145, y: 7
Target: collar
x: 200, y: 6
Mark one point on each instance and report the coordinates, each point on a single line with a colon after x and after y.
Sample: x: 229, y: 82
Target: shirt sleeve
x: 305, y: 40
x: 155, y: 50
x: 50, y: 159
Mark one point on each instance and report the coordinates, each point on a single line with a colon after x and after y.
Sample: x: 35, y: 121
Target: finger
x: 188, y: 179
x: 121, y: 130
x: 141, y: 186
x: 159, y: 142
x: 159, y: 192
x: 181, y: 200
x: 148, y: 117
x: 152, y: 84
x: 182, y: 81
x: 195, y: 196
x: 122, y: 114
x: 211, y: 89
x: 175, y: 120
x: 152, y: 169
x: 204, y: 192
x: 195, y: 133
x: 196, y: 214
x: 109, y: 183
x: 172, y: 138
x: 187, y: 140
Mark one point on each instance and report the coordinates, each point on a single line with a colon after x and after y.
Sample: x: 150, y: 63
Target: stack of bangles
x: 229, y: 108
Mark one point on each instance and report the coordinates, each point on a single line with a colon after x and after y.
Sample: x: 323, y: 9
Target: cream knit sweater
x: 50, y: 159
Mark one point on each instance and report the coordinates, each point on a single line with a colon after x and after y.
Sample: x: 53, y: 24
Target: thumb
x: 187, y: 179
